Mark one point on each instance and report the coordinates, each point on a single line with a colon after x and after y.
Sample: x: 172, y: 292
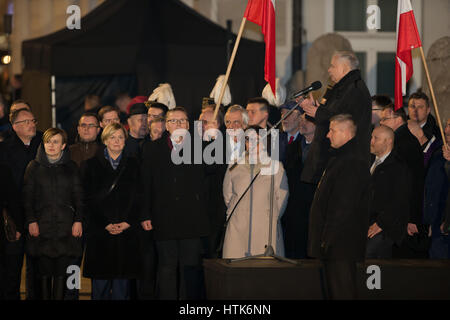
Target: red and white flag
x: 407, y: 39
x: 262, y: 12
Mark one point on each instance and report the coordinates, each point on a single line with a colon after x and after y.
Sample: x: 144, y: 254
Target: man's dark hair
x: 401, y: 113
x: 89, y: 114
x: 107, y: 109
x: 263, y: 102
x: 13, y: 116
x: 341, y: 118
x: 420, y: 95
x: 381, y: 100
x: 158, y: 105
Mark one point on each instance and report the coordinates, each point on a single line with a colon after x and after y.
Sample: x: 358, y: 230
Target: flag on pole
x: 407, y: 39
x: 262, y: 12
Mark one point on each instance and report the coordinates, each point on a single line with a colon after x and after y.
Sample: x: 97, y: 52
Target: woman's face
x: 54, y: 146
x: 116, y: 142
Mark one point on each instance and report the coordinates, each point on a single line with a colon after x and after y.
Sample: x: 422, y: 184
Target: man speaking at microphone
x: 349, y: 95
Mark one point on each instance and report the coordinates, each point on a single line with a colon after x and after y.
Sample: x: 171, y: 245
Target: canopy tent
x: 133, y: 46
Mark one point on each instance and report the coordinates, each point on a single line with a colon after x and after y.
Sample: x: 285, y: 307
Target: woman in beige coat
x: 247, y: 233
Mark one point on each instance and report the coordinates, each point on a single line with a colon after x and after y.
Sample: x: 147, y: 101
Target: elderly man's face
x: 418, y: 110
x: 338, y: 69
x: 233, y: 120
x: 291, y: 123
x: 138, y: 125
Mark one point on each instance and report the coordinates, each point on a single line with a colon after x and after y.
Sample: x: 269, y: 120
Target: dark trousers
x: 13, y: 263
x: 179, y: 273
x: 112, y: 289
x: 146, y: 284
x: 339, y: 279
x: 379, y: 247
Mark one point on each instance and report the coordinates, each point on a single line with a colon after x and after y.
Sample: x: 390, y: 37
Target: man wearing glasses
x: 379, y: 101
x: 16, y: 152
x: 174, y: 206
x: 86, y: 145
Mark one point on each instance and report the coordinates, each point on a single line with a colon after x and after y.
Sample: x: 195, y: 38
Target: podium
x: 270, y: 279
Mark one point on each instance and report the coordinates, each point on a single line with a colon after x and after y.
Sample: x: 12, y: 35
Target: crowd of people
x: 356, y: 179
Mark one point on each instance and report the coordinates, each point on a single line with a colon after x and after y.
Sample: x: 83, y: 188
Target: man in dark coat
x: 390, y: 196
x: 174, y: 205
x: 419, y: 111
x: 349, y: 95
x: 407, y: 147
x: 339, y: 214
x: 295, y: 217
x: 9, y: 200
x: 87, y: 145
x: 16, y: 152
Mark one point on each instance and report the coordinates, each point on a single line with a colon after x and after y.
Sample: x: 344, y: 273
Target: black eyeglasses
x: 27, y: 122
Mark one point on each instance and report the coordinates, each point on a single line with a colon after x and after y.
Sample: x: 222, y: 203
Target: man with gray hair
x: 236, y: 120
x: 348, y: 95
x: 339, y: 216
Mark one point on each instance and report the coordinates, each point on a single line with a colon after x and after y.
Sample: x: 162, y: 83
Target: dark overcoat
x: 111, y: 256
x: 339, y: 217
x: 390, y: 197
x: 407, y: 147
x: 53, y: 197
x: 175, y: 195
x: 351, y: 96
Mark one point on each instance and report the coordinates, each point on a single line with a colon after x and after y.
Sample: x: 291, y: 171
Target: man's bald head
x: 382, y: 141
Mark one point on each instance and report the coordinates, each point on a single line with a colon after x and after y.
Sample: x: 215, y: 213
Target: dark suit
x: 16, y: 155
x: 295, y: 217
x: 339, y: 220
x: 175, y: 202
x: 390, y: 200
x: 408, y: 148
x: 350, y: 95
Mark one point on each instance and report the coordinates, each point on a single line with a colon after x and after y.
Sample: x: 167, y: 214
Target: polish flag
x: 407, y: 39
x: 262, y: 12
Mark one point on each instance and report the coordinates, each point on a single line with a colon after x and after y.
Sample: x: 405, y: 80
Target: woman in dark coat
x: 112, y: 249
x: 53, y: 209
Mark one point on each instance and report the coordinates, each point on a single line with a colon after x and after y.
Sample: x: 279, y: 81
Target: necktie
x: 291, y: 139
x: 375, y: 164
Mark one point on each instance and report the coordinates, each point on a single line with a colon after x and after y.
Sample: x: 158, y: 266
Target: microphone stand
x: 270, y: 252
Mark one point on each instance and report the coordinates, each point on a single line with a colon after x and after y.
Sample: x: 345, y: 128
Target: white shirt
x: 380, y: 161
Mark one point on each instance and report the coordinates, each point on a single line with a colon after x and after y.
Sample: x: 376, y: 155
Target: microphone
x: 314, y: 86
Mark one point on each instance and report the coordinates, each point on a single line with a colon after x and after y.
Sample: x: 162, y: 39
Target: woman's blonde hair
x: 50, y: 133
x: 109, y: 130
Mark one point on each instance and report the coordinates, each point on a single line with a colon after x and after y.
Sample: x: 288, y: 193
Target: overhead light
x: 6, y: 59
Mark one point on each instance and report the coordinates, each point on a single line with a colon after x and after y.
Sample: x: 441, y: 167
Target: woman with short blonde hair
x: 53, y: 201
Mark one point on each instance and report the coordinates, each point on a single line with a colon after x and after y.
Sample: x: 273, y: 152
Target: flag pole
x: 230, y: 65
x: 438, y: 118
